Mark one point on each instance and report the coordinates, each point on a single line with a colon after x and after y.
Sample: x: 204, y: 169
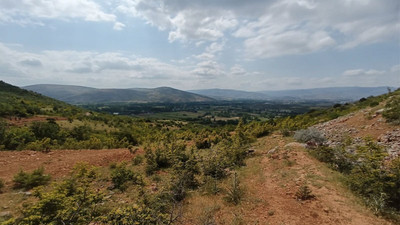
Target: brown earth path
x: 270, y: 182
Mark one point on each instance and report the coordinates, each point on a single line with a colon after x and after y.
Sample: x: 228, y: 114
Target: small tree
x: 304, y: 193
x: 235, y: 192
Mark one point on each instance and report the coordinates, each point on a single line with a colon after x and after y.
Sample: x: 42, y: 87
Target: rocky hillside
x: 360, y: 125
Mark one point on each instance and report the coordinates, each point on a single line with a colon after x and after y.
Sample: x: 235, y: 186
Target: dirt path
x: 271, y: 181
x: 57, y: 163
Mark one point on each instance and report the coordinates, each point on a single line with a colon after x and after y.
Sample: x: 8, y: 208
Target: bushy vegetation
x: 16, y: 102
x: 121, y: 175
x: 392, y: 108
x: 30, y: 180
x: 72, y: 201
x: 367, y: 173
x: 198, y: 153
x: 312, y: 135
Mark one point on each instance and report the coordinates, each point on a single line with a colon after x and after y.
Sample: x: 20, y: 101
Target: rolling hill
x: 83, y: 95
x: 331, y: 94
x: 15, y: 101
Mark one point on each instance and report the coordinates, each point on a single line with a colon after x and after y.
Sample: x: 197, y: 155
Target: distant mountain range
x: 329, y: 94
x: 86, y: 95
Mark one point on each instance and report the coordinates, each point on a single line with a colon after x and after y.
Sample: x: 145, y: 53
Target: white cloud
x: 299, y: 27
x: 83, y: 67
x: 33, y: 11
x: 215, y: 47
x: 118, y: 26
x: 208, y: 70
x: 395, y: 68
x: 183, y: 23
x: 237, y: 70
x: 287, y: 43
x: 362, y: 72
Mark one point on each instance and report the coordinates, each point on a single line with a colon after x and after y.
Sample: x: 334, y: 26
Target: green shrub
x: 392, y: 110
x: 137, y: 160
x: 43, y: 145
x: 73, y: 201
x: 337, y: 158
x: 30, y: 180
x: 214, y: 167
x: 304, y: 193
x: 49, y: 129
x: 151, y: 164
x: 235, y: 192
x: 211, y: 186
x: 121, y: 175
x: 17, y: 138
x: 136, y: 214
x: 82, y: 132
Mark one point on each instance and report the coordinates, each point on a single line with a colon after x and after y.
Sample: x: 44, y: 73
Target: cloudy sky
x: 239, y: 44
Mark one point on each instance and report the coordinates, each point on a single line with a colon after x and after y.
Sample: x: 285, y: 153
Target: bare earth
x: 57, y: 163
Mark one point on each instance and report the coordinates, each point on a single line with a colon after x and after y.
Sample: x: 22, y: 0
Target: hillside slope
x: 270, y: 181
x: 84, y: 95
x: 15, y: 101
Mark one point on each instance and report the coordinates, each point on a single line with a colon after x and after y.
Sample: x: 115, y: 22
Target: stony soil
x: 365, y: 123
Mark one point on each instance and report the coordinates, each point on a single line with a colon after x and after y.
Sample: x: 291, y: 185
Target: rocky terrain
x: 360, y: 125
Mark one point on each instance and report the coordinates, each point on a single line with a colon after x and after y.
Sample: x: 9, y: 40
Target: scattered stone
x: 5, y: 214
x: 295, y: 145
x: 272, y: 151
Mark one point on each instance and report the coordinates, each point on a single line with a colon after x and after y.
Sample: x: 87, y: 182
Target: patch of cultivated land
x: 270, y: 181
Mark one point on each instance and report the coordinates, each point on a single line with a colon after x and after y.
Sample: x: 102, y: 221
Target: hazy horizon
x: 211, y: 88
x: 254, y: 45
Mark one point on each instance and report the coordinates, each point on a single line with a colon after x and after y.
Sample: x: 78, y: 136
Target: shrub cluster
x: 367, y: 173
x: 30, y: 180
x: 310, y: 135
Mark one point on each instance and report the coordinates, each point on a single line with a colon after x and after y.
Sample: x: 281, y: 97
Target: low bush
x: 30, y: 180
x: 304, y: 193
x: 337, y: 158
x: 392, y: 109
x: 235, y: 191
x: 136, y: 214
x: 121, y: 175
x: 73, y: 201
x: 137, y: 160
x: 310, y: 135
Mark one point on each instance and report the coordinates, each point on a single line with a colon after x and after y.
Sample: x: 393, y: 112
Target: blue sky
x: 248, y: 45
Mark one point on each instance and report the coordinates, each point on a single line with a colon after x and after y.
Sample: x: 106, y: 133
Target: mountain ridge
x: 75, y: 94
x: 328, y: 93
x: 83, y: 95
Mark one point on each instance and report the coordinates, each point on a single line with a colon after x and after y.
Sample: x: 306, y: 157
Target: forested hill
x: 84, y: 95
x: 15, y: 101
